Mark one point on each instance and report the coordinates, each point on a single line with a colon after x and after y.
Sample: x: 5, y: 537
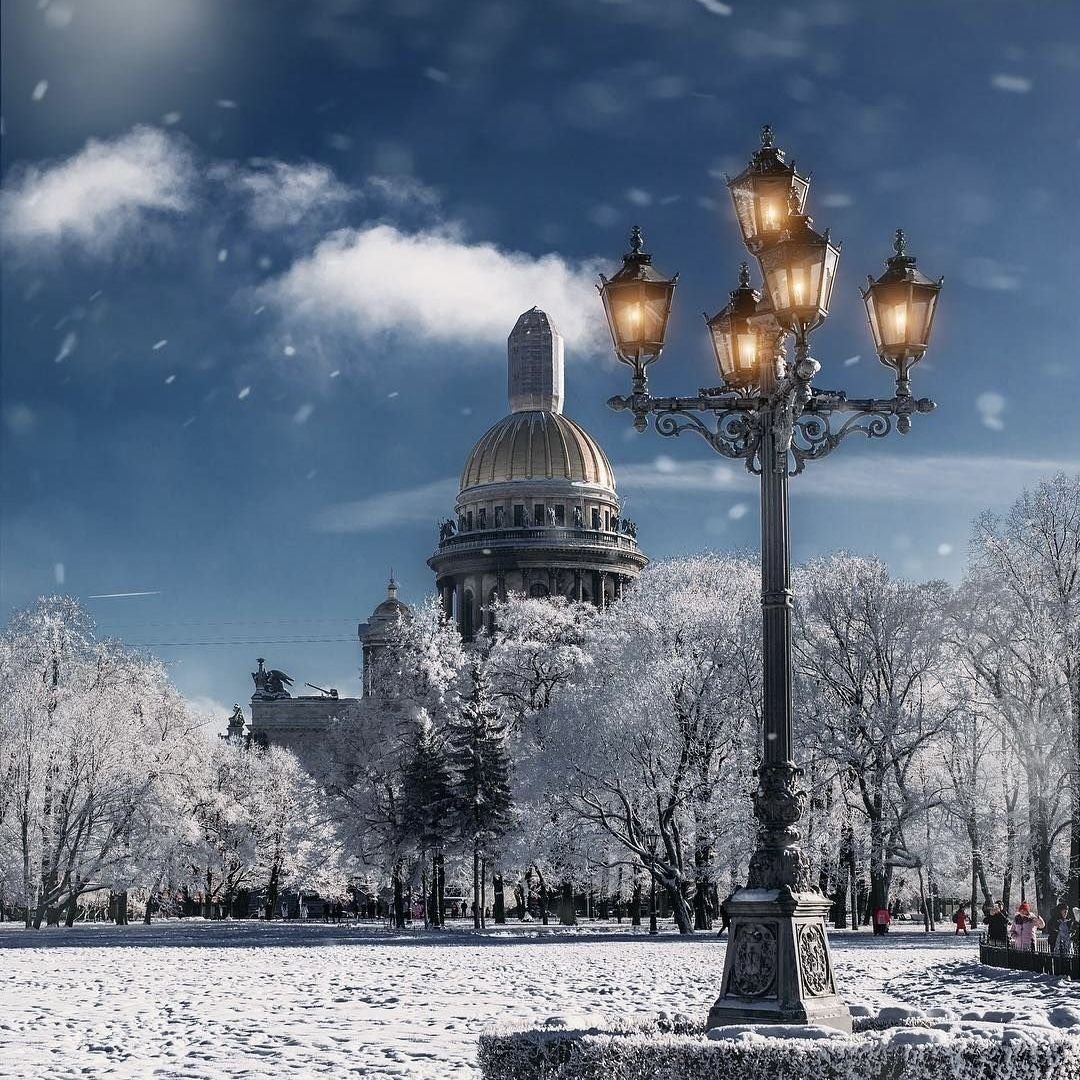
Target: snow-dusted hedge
x: 678, y: 1049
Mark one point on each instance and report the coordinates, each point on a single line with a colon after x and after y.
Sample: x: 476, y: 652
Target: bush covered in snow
x: 678, y: 1049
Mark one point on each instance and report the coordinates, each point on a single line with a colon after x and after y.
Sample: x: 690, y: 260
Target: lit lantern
x: 799, y: 271
x: 900, y: 306
x: 762, y: 194
x: 736, y: 336
x: 637, y: 302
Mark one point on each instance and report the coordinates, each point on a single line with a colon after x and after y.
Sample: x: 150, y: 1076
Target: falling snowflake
x: 739, y: 510
x: 59, y: 573
x: 171, y: 118
x: 290, y: 350
x: 226, y: 103
x: 67, y: 347
x: 158, y: 345
x: 335, y: 373
x: 223, y: 254
x: 243, y: 393
x: 303, y: 414
x: 944, y: 550
x: 40, y: 90
x: 170, y: 380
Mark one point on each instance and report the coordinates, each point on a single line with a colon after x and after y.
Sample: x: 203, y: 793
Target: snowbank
x: 921, y: 1048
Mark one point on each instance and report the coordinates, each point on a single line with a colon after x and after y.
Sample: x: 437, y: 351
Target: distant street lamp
x: 778, y: 966
x: 652, y: 840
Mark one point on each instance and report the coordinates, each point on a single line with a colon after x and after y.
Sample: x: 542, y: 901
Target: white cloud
x: 1012, y: 84
x: 977, y: 482
x: 434, y: 286
x: 99, y: 194
x: 990, y: 405
x: 391, y: 509
x: 967, y: 480
x: 20, y: 419
x: 280, y: 194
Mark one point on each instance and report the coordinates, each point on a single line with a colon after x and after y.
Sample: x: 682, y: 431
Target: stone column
x: 500, y: 584
x: 603, y: 589
x: 577, y: 586
x: 459, y: 605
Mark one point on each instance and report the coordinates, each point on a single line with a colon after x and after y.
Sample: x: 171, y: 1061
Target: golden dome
x: 537, y: 445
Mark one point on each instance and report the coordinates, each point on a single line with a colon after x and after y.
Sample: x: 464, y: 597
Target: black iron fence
x: 1040, y: 959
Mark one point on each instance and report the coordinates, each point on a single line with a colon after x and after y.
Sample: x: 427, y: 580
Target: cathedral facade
x: 537, y: 513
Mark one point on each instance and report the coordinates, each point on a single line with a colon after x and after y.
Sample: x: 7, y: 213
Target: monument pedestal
x: 778, y: 968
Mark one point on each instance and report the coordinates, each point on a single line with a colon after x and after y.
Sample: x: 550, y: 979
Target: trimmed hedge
x: 677, y: 1049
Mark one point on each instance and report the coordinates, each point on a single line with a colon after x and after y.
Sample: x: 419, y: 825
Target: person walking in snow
x: 961, y: 921
x: 1061, y: 930
x: 997, y: 925
x: 882, y: 918
x: 1026, y: 924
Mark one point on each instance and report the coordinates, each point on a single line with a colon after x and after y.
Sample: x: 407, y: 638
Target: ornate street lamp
x: 737, y: 336
x: 799, y: 269
x: 762, y: 193
x: 778, y: 966
x: 900, y: 306
x: 652, y: 839
x: 637, y: 302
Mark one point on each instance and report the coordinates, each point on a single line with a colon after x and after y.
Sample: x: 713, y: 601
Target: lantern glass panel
x: 637, y: 315
x: 762, y: 202
x: 799, y: 276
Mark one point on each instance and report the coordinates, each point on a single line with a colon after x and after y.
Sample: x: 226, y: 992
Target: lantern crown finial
x: 637, y: 241
x: 767, y: 135
x: 900, y: 242
x: 744, y: 275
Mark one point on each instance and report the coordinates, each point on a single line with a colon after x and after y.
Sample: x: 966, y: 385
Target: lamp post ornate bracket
x: 808, y: 431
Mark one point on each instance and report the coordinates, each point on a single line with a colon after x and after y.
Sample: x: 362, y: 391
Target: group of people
x: 1022, y: 931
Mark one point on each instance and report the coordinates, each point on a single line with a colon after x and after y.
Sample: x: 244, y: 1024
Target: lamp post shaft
x: 776, y: 596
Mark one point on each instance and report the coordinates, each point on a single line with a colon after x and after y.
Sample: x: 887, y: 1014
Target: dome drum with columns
x: 537, y: 512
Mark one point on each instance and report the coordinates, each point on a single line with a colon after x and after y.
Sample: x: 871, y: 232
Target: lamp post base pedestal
x: 778, y: 968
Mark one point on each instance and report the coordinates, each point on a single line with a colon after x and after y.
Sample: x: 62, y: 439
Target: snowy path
x: 199, y: 1000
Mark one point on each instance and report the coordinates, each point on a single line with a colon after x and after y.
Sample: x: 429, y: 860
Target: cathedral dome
x: 537, y: 445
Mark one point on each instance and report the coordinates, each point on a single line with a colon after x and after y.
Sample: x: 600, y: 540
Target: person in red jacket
x: 961, y: 920
x: 882, y: 918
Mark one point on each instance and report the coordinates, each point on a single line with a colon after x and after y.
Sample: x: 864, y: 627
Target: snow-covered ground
x: 246, y: 999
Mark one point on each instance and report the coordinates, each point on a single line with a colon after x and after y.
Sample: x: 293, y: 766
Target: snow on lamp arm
x: 778, y: 967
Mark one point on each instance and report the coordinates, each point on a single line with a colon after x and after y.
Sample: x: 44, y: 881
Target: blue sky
x: 260, y: 260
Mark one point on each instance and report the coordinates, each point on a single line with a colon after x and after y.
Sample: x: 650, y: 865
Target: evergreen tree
x: 429, y: 802
x: 481, y: 767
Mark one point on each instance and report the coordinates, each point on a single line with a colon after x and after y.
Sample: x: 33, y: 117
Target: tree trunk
x: 680, y: 909
x: 519, y: 901
x: 270, y: 907
x: 702, y: 912
x: 543, y: 902
x: 498, y: 899
x: 635, y: 903
x: 440, y: 889
x: 476, y: 909
x: 149, y: 909
x: 399, y: 895
x: 483, y: 891
x: 208, y: 898
x: 1041, y: 850
x: 922, y: 901
x: 72, y: 910
x: 567, y: 914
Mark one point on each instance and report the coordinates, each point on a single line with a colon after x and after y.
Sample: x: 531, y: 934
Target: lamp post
x: 652, y: 839
x: 778, y: 966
